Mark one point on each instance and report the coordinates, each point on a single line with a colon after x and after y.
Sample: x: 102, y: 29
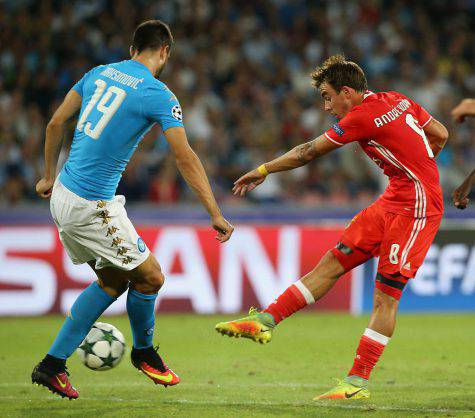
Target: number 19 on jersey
x: 108, y: 110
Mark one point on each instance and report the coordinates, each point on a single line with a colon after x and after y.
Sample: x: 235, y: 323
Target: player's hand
x: 248, y: 182
x: 465, y: 108
x: 460, y: 195
x: 224, y: 228
x: 44, y: 188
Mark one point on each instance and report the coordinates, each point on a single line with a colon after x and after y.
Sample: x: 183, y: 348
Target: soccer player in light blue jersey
x: 116, y: 105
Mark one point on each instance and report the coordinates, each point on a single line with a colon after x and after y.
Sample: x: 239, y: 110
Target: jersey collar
x: 367, y: 94
x: 144, y: 67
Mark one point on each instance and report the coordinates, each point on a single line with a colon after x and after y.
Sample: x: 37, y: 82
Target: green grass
x: 427, y: 370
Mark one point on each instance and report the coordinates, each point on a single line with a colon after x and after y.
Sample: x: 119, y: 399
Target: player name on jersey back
x: 123, y: 78
x: 393, y: 114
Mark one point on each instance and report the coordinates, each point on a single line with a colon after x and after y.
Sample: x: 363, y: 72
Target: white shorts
x: 96, y: 230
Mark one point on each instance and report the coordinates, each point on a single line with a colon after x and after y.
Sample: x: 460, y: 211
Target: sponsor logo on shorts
x: 127, y: 259
x: 111, y: 231
x: 122, y: 251
x: 141, y: 245
x: 338, y: 130
x: 149, y: 331
x: 105, y: 216
x: 116, y: 241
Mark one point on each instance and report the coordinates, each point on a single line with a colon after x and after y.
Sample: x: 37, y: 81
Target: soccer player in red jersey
x: 403, y: 140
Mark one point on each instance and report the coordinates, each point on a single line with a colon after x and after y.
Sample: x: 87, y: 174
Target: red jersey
x: 389, y: 128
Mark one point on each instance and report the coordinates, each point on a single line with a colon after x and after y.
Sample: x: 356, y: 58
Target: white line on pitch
x: 365, y: 407
x: 242, y: 385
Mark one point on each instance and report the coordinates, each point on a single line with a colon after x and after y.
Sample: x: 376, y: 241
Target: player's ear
x: 131, y: 51
x: 346, y: 91
x: 165, y: 52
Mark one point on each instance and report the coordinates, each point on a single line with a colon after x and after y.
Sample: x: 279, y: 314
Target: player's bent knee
x: 148, y: 279
x: 155, y: 280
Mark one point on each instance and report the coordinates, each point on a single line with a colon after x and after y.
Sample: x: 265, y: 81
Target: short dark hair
x: 152, y: 34
x: 339, y: 72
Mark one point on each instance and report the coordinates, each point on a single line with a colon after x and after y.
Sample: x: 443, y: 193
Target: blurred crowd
x: 241, y: 72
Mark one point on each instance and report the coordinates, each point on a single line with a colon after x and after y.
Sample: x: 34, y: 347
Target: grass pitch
x: 427, y: 370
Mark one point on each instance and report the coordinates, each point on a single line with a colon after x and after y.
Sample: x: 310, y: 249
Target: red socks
x: 295, y: 297
x: 371, y: 347
x: 372, y: 343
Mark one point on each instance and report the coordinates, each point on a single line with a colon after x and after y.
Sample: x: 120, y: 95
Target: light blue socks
x: 89, y: 306
x: 141, y: 310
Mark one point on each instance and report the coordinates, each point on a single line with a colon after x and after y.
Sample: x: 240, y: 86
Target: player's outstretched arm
x: 193, y: 172
x: 460, y: 195
x: 437, y: 134
x: 54, y: 138
x: 296, y: 157
x: 465, y: 108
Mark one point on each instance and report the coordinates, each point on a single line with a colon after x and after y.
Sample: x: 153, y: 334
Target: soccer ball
x: 103, y: 348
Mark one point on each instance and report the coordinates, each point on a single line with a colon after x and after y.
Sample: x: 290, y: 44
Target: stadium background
x: 240, y: 70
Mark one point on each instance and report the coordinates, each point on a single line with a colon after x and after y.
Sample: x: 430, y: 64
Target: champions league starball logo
x: 177, y: 113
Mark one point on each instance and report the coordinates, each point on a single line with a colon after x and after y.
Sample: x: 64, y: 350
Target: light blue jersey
x: 120, y: 104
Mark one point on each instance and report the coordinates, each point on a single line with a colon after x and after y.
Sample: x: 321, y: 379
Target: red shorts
x: 401, y: 242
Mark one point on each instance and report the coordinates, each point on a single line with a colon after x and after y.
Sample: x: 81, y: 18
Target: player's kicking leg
x: 259, y: 326
x: 51, y: 372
